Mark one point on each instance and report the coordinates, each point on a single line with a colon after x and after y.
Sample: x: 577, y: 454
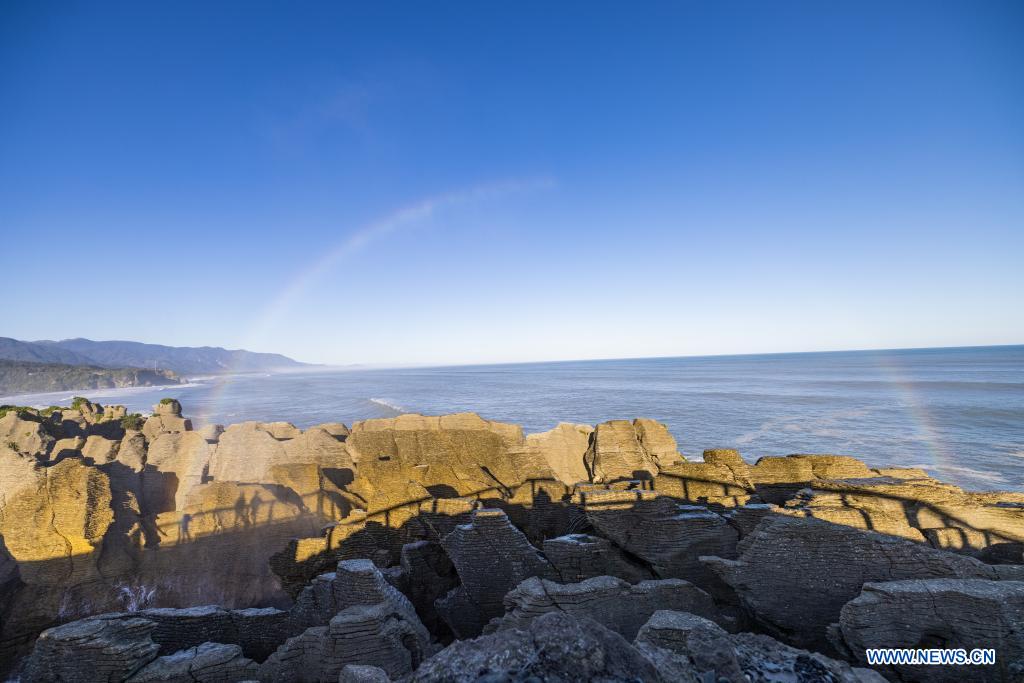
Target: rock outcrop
x: 938, y: 613
x: 491, y: 557
x: 684, y: 645
x: 611, y: 602
x: 787, y: 559
x: 555, y: 647
x: 264, y: 551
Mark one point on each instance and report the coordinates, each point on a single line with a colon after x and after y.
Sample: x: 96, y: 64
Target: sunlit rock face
x: 262, y: 551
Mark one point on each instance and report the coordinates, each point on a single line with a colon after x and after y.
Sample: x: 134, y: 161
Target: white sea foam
x: 389, y: 404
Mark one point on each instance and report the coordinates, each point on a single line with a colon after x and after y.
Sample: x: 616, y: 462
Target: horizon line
x: 388, y: 366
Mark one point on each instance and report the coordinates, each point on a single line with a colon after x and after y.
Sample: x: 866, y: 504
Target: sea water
x: 957, y: 413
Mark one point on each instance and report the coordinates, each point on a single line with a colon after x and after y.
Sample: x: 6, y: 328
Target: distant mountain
x: 22, y: 377
x: 184, y: 360
x: 30, y: 352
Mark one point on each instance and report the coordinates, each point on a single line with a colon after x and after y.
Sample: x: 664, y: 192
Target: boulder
x: 611, y: 602
x: 786, y: 559
x: 938, y: 613
x: 554, y: 647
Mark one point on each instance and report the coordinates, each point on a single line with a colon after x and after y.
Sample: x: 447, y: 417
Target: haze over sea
x: 958, y: 413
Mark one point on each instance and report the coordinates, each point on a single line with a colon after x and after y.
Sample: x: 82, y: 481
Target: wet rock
x: 555, y: 647
x: 938, y: 613
x: 611, y: 602
x: 786, y: 559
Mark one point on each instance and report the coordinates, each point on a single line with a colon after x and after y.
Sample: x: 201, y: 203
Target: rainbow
x: 355, y: 242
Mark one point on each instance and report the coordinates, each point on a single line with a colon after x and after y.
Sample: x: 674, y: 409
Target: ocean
x: 958, y: 413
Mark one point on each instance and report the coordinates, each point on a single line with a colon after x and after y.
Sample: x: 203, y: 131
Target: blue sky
x: 473, y: 182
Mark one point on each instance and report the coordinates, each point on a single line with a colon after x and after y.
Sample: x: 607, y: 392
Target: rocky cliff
x: 21, y: 377
x: 454, y: 548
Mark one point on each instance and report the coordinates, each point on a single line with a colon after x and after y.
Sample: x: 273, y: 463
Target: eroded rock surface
x: 795, y: 574
x: 939, y: 613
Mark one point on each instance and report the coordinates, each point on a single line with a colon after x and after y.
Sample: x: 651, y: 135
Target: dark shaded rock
x: 555, y: 647
x: 611, y: 602
x: 795, y: 574
x: 206, y: 663
x: 376, y: 635
x: 491, y: 557
x: 678, y: 641
x: 577, y: 557
x: 938, y: 613
x: 668, y: 536
x: 96, y: 649
x: 361, y: 673
x: 428, y: 575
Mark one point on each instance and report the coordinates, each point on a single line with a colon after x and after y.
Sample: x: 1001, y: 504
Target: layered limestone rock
x: 917, y: 508
x: 451, y: 455
x: 353, y: 616
x: 428, y: 575
x: 657, y: 442
x: 668, y: 536
x: 684, y: 645
x: 616, y: 453
x: 611, y: 602
x: 374, y: 635
x: 491, y: 557
x: 564, y: 449
x: 206, y: 663
x: 554, y: 647
x: 175, y: 465
x: 24, y: 433
x: 787, y: 560
x: 166, y: 418
x: 92, y: 650
x: 577, y: 557
x: 938, y: 613
x: 53, y: 521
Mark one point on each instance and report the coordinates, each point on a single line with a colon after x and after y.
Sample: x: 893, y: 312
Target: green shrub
x: 165, y: 401
x: 77, y: 402
x: 133, y: 421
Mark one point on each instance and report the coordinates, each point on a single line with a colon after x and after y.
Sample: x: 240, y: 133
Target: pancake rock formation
x: 454, y: 548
